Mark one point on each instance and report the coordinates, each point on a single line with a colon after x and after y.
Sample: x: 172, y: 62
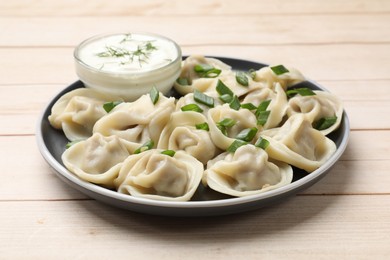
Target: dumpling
x: 181, y: 134
x: 139, y: 121
x: 241, y: 119
x: 277, y: 106
x: 268, y: 77
x: 97, y: 159
x: 299, y: 144
x: 154, y: 175
x: 191, y: 77
x: 77, y: 111
x: 245, y: 172
x: 316, y: 107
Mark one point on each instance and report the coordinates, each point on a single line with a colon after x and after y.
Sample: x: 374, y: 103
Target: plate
x: 206, y: 202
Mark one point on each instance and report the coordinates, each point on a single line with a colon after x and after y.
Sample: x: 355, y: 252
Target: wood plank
x: 21, y: 106
x: 359, y: 90
x: 318, y: 62
x: 27, y: 176
x: 163, y: 8
x: 304, y: 227
x: 352, y: 175
x: 237, y: 30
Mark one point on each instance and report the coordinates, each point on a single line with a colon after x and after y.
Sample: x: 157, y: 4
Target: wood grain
x: 343, y: 45
x: 246, y: 30
x: 299, y: 228
x: 27, y: 8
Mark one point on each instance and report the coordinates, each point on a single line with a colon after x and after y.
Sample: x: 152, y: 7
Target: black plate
x: 205, y: 202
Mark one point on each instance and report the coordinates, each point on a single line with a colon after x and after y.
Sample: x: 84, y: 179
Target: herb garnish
x: 224, y: 124
x: 192, y: 107
x: 262, y: 143
x: 154, y: 95
x: 170, y: 153
x: 235, y: 145
x: 235, y: 103
x: 279, y: 69
x: 325, y: 122
x: 203, y: 98
x: 262, y: 113
x: 182, y: 81
x: 140, y: 55
x: 247, y: 134
x: 146, y: 146
x: 242, y: 79
x: 207, y: 71
x: 301, y: 91
x: 248, y: 106
x: 203, y: 126
x: 108, y: 106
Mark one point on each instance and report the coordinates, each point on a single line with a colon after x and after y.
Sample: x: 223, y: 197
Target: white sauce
x: 128, y: 53
x: 128, y: 65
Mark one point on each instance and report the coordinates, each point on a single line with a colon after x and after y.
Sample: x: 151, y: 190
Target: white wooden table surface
x: 343, y: 45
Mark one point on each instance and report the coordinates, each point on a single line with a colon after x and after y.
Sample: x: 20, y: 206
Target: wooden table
x: 343, y: 45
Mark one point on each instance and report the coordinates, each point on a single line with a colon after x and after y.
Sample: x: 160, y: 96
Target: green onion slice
x: 301, y: 91
x: 252, y: 73
x: 325, y: 123
x: 224, y: 124
x: 279, y: 69
x: 207, y: 71
x: 248, y: 134
x: 263, y: 106
x: 154, y: 95
x: 235, y: 145
x: 235, y: 103
x: 248, y: 106
x: 212, y: 73
x: 202, y: 126
x: 200, y: 68
x: 146, y: 146
x: 242, y: 79
x: 262, y: 113
x: 222, y: 89
x: 262, y: 143
x: 226, y: 98
x: 192, y: 107
x: 227, y: 122
x: 182, y: 81
x: 110, y: 105
x: 203, y: 98
x: 69, y: 144
x: 262, y: 117
x: 169, y: 152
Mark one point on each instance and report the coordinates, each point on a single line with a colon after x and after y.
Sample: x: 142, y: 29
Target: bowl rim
x: 93, y: 38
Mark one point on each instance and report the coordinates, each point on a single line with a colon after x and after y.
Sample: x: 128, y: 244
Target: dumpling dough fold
x: 181, y: 134
x: 77, y: 111
x: 277, y: 106
x: 97, y: 159
x: 243, y: 119
x: 323, y: 104
x: 299, y: 144
x: 153, y: 175
x: 138, y: 121
x: 245, y: 172
x: 266, y: 76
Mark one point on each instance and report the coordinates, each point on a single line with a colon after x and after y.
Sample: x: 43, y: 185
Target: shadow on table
x: 285, y: 216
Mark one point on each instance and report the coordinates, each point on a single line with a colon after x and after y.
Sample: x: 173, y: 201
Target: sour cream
x: 128, y: 65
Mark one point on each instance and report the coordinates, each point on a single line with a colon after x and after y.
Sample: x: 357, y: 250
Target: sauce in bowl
x: 128, y: 65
